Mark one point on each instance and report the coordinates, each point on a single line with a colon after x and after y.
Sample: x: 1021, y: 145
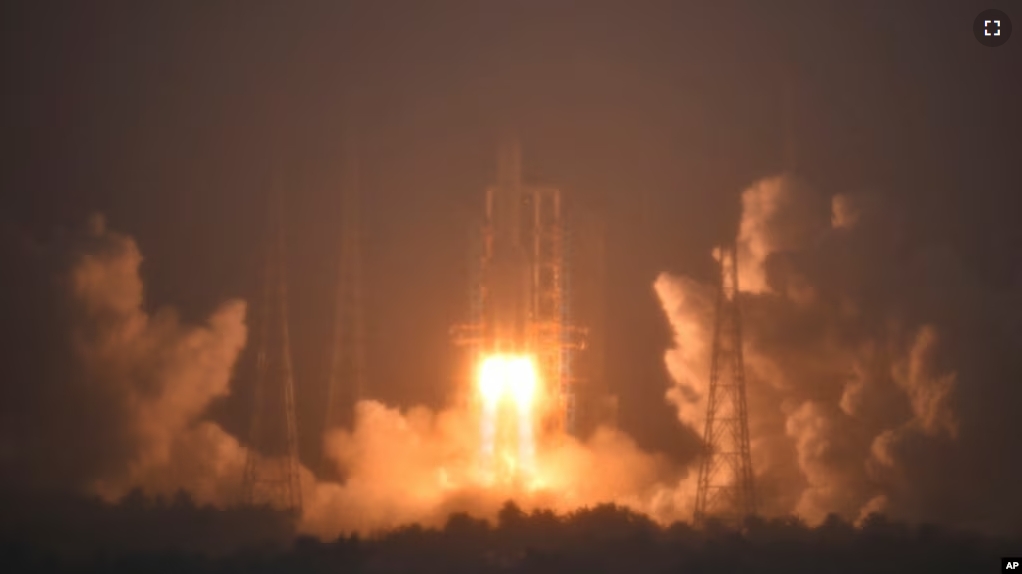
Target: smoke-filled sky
x: 884, y: 278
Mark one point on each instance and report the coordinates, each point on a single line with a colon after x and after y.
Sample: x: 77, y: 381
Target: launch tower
x: 519, y: 288
x: 346, y: 383
x: 725, y: 490
x: 271, y: 475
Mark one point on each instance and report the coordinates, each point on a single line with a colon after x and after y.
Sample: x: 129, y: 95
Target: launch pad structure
x: 520, y: 286
x: 520, y: 310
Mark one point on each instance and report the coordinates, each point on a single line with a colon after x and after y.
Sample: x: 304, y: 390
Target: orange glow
x: 508, y: 387
x: 508, y: 376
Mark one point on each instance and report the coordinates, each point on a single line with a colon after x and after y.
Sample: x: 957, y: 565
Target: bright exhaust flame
x: 502, y: 376
x: 508, y: 383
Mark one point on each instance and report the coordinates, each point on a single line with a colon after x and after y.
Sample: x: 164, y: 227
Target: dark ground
x: 141, y: 535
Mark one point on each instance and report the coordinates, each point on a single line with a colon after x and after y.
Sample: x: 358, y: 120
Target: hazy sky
x: 173, y: 119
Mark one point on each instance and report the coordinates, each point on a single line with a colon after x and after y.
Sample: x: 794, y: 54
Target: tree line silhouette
x: 68, y: 534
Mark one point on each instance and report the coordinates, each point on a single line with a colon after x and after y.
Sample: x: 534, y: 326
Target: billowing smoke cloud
x: 844, y: 213
x: 823, y: 400
x: 929, y: 392
x: 161, y: 374
x: 777, y: 216
x: 129, y: 412
x: 419, y: 466
x: 690, y: 305
x: 854, y: 403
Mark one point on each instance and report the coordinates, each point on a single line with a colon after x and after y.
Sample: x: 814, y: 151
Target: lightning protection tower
x: 271, y: 474
x: 725, y: 490
x: 346, y: 383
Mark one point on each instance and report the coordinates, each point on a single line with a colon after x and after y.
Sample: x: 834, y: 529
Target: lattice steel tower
x: 272, y: 466
x: 346, y: 383
x: 725, y: 490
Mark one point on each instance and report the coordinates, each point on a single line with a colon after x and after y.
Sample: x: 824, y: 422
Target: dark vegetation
x: 60, y: 534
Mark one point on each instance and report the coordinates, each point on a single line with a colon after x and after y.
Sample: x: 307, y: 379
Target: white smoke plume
x: 831, y: 393
x: 929, y: 396
x: 160, y: 375
x: 419, y: 466
x: 777, y: 216
x: 844, y: 213
x: 929, y: 392
x: 690, y: 306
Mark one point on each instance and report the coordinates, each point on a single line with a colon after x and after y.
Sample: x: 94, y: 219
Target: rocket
x: 507, y: 279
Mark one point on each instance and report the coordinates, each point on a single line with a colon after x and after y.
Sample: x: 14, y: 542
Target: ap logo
x: 1011, y: 565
